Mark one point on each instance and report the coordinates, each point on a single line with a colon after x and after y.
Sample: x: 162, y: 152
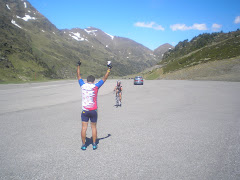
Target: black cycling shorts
x: 92, y: 115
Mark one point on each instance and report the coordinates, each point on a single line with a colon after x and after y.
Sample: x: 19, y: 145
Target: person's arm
x: 78, y: 70
x: 108, y: 71
x: 106, y: 75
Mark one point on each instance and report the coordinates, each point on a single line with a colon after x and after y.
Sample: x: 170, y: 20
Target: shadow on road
x: 90, y: 141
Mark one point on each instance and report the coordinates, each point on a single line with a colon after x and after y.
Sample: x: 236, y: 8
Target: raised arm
x: 108, y: 71
x: 78, y: 70
x: 106, y: 75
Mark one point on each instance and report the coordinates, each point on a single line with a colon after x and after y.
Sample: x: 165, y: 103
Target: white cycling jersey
x: 89, y: 94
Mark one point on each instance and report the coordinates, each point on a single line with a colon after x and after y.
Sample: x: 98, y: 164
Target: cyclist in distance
x: 89, y: 103
x: 118, y: 89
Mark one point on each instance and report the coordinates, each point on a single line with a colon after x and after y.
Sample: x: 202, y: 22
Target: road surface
x: 164, y: 130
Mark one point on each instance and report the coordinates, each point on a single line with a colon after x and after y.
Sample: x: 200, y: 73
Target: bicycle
x: 118, y: 102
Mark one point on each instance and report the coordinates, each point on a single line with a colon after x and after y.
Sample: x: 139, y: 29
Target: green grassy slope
x: 37, y: 50
x: 202, y: 49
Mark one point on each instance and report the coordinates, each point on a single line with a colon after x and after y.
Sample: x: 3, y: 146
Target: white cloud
x: 158, y: 27
x: 216, y: 27
x: 237, y: 20
x: 183, y: 27
x: 152, y: 25
x: 199, y: 27
x: 143, y: 24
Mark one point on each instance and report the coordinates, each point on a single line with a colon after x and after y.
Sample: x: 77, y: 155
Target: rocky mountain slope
x: 159, y: 52
x: 32, y: 48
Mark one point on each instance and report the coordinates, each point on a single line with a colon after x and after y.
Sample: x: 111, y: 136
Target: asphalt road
x: 164, y: 130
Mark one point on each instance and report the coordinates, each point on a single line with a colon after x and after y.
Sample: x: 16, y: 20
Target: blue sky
x: 148, y: 22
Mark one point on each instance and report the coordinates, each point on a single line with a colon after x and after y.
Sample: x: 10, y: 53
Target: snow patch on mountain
x: 27, y: 17
x: 14, y: 22
x: 8, y: 7
x: 91, y: 32
x: 76, y: 36
x: 109, y: 35
x: 25, y: 4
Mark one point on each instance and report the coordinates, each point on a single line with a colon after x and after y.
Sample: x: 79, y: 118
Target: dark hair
x: 90, y: 78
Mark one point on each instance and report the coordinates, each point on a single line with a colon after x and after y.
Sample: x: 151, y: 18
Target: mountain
x: 211, y: 49
x: 159, y: 52
x: 32, y: 48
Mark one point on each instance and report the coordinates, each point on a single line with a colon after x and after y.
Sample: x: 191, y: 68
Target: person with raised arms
x: 89, y: 103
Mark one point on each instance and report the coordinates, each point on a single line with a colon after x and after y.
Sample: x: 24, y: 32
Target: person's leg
x: 83, y: 132
x: 93, y: 119
x: 94, y: 131
x: 120, y: 96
